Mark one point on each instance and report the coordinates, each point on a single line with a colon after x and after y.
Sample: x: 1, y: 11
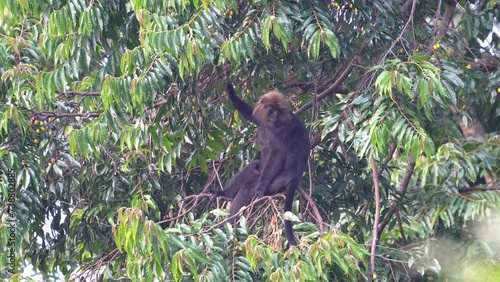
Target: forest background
x: 114, y: 120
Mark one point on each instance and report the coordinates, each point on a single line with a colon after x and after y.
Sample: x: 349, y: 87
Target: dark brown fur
x: 241, y: 188
x: 284, y: 151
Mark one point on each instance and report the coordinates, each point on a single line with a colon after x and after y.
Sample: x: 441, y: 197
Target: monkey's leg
x: 246, y: 177
x: 279, y: 183
x: 248, y: 180
x: 243, y: 198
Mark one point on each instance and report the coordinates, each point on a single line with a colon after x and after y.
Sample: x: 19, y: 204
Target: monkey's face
x: 272, y: 110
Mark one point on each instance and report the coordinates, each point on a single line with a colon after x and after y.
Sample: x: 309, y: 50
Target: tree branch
x: 486, y: 64
x: 313, y: 206
x: 392, y: 148
x: 447, y: 18
x: 332, y: 87
x: 406, y: 7
x: 445, y: 22
x: 80, y: 93
x: 375, y: 233
x: 62, y: 115
x: 479, y: 189
x: 401, y: 192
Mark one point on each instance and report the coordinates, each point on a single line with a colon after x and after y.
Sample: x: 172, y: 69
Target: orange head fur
x: 272, y: 110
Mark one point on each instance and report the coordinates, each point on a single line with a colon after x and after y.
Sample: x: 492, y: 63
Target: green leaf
x: 266, y: 30
x: 277, y: 29
x: 383, y: 83
x: 314, y: 45
x: 332, y: 42
x: 214, y: 145
x: 202, y: 162
x: 291, y: 217
x: 423, y: 91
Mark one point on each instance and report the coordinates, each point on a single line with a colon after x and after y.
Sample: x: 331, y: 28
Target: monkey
x: 241, y: 188
x: 284, y: 150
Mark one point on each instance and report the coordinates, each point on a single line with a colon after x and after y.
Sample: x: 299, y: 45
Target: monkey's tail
x: 290, y: 193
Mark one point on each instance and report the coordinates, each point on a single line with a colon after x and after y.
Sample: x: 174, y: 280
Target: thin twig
x: 316, y: 213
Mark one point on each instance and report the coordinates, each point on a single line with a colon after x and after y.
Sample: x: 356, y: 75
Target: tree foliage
x: 113, y: 121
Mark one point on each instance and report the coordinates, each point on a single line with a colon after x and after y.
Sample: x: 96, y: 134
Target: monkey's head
x: 272, y: 110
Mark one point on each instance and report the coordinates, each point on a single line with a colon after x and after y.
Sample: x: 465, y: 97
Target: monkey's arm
x: 245, y: 109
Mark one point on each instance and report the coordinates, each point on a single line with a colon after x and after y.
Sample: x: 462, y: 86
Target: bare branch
x: 314, y: 208
x: 401, y: 192
x: 447, y: 18
x: 486, y: 65
x: 392, y: 148
x: 445, y: 22
x: 81, y: 93
x: 333, y: 87
x: 496, y: 187
x: 62, y: 115
x: 376, y: 188
x: 400, y: 225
